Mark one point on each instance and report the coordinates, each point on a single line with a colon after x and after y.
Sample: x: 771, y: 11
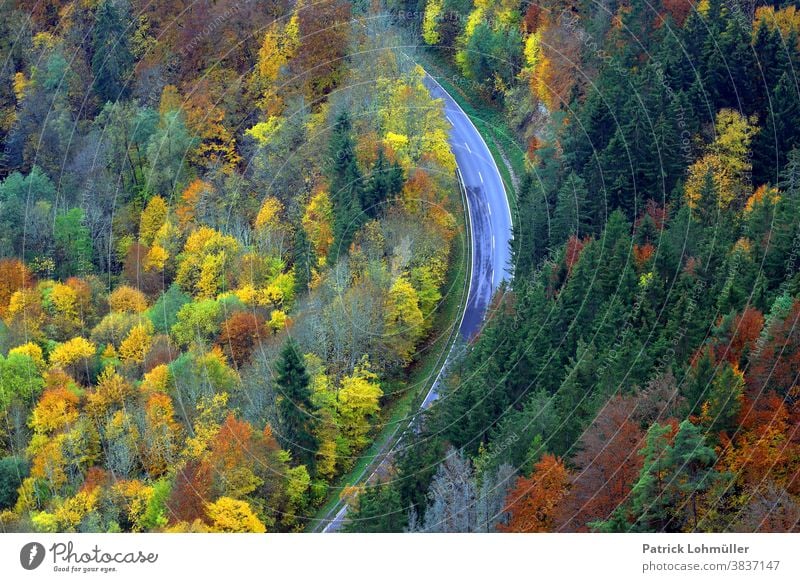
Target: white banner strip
x: 419, y: 557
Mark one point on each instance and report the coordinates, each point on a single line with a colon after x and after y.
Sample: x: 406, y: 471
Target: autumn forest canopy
x: 233, y: 244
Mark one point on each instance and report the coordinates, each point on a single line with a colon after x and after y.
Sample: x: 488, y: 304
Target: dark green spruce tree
x: 346, y: 185
x: 385, y: 182
x: 304, y: 259
x: 112, y: 59
x: 296, y: 412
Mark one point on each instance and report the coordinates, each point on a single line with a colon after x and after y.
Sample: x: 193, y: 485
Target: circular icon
x: 31, y: 555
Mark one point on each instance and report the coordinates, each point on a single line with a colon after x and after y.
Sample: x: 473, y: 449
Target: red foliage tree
x: 678, y: 10
x: 162, y: 351
x: 642, y: 254
x: 766, y: 450
x: 573, y: 252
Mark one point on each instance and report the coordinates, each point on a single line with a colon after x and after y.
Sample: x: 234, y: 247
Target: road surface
x: 490, y: 225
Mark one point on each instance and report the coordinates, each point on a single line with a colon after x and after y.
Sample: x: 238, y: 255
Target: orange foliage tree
x: 14, y: 275
x: 533, y: 500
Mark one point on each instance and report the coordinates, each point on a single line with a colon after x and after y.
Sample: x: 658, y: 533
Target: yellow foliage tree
x: 727, y: 161
x: 786, y: 20
x: 170, y: 100
x: 403, y: 320
x: 156, y: 258
x: 126, y: 299
x: 132, y: 498
x: 277, y: 321
x: 157, y: 379
x: 233, y: 516
x: 763, y: 195
x: 410, y: 112
x: 33, y: 351
x: 279, y: 45
x: 324, y: 398
x: 68, y: 515
x: 161, y: 435
x: 56, y: 410
x: 65, y: 300
x: 206, y: 262
x: 152, y: 219
x: 318, y: 223
x: 269, y: 213
x: 359, y: 397
x: 430, y: 21
x: 137, y: 344
x: 111, y: 392
x: 72, y: 352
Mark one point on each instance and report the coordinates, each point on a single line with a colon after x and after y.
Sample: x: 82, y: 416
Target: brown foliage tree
x: 606, y: 466
x: 241, y: 333
x: 190, y: 493
x: 148, y: 281
x: 324, y: 31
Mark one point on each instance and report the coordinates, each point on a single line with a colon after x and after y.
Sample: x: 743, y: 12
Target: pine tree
x: 112, y: 61
x: 572, y: 213
x: 304, y: 260
x: 650, y: 503
x: 692, y: 461
x: 296, y: 413
x: 781, y: 133
x: 739, y: 91
x: 532, y: 230
x: 378, y: 510
x: 346, y: 185
x: 766, y: 46
x: 701, y: 376
x: 721, y: 407
x: 385, y: 181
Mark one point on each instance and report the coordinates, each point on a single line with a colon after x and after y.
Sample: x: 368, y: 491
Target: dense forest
x: 225, y: 232
x: 641, y: 371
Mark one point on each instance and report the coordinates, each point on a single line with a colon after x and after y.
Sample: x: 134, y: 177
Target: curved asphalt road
x: 490, y: 224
